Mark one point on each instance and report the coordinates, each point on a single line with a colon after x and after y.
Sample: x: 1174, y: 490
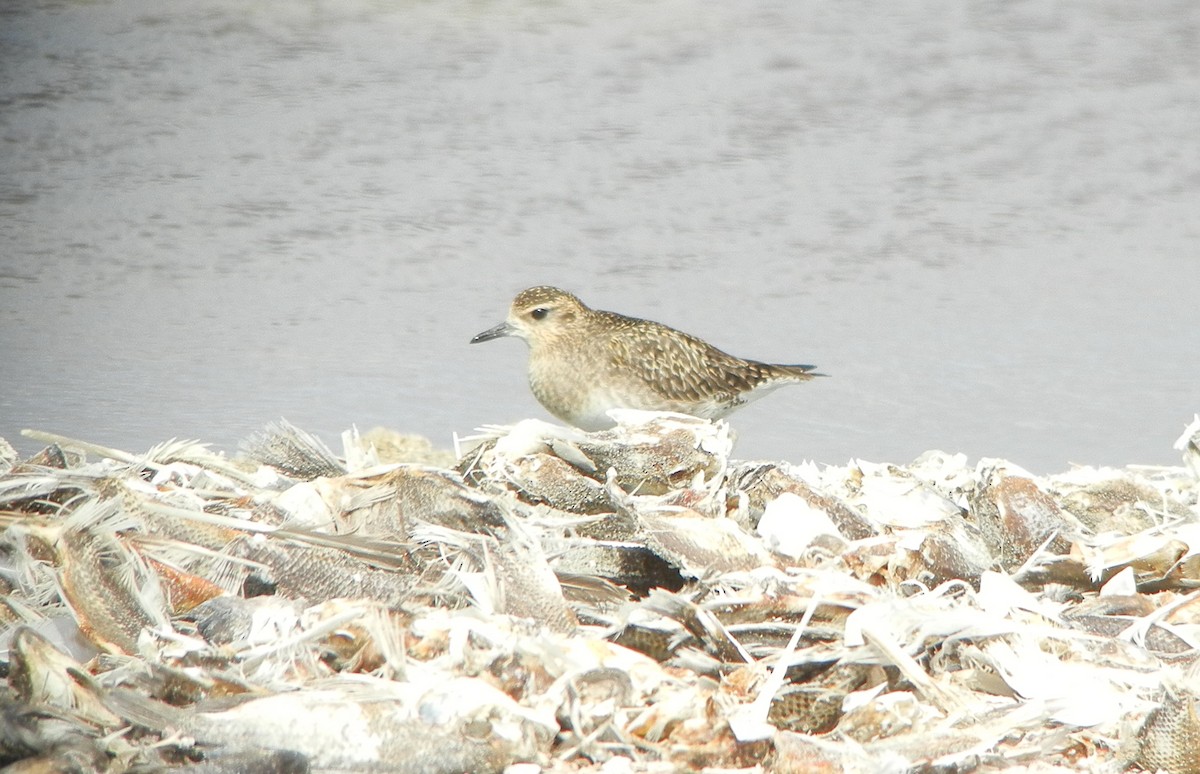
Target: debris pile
x: 617, y: 601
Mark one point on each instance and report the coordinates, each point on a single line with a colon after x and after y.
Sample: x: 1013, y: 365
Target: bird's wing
x: 681, y: 367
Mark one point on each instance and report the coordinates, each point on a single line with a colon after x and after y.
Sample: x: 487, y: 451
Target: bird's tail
x: 797, y: 371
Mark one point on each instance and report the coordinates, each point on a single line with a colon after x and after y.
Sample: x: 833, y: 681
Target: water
x: 983, y: 221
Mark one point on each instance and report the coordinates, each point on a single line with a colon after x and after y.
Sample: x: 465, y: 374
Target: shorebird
x: 583, y: 362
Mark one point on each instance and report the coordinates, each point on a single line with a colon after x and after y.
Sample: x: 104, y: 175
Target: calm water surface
x: 984, y: 222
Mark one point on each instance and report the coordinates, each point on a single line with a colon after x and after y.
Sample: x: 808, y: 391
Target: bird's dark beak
x: 503, y: 329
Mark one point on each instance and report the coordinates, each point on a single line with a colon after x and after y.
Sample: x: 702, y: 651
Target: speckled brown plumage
x: 584, y: 362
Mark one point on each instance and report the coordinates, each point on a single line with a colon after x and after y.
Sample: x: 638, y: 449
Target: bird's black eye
x: 539, y: 313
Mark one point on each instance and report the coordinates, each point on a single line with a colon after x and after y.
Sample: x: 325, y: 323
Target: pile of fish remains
x: 622, y: 601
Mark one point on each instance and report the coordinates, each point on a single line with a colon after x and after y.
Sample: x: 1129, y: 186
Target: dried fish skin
x: 180, y: 516
x: 954, y: 549
x: 274, y: 640
x: 951, y: 475
x: 1015, y: 516
x: 700, y: 546
x: 891, y: 496
x: 1157, y: 640
x: 622, y: 525
x: 1112, y: 506
x: 881, y: 561
x: 40, y: 674
x: 504, y: 455
x: 217, y: 679
x: 529, y: 587
x: 762, y: 609
x: 797, y: 753
x: 318, y: 503
x: 700, y: 623
x: 273, y: 762
x: 388, y: 504
x: 391, y: 447
x: 628, y: 563
x: 593, y: 700
x: 444, y: 723
x: 184, y: 590
x: 1152, y: 554
x: 651, y: 634
x: 30, y: 577
x: 42, y: 490
x: 108, y: 586
x: 759, y: 484
x: 648, y: 454
x: 882, y: 715
x: 1169, y: 739
x: 654, y: 453
x: 442, y: 498
x: 526, y: 661
x: 318, y: 573
x: 112, y: 593
x: 228, y: 539
x: 39, y: 739
x: 8, y: 456
x: 292, y: 451
x: 54, y: 456
x: 806, y: 709
x: 1120, y: 501
x: 905, y: 648
x: 546, y: 479
x: 246, y: 622
x: 508, y: 574
x: 791, y: 528
x: 817, y: 705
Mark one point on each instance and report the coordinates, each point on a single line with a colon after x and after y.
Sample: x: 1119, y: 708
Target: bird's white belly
x: 576, y: 393
x: 592, y: 412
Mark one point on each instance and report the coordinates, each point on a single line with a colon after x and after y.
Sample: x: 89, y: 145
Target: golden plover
x: 583, y: 362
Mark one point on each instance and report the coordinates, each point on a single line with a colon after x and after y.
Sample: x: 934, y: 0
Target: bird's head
x: 539, y: 315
